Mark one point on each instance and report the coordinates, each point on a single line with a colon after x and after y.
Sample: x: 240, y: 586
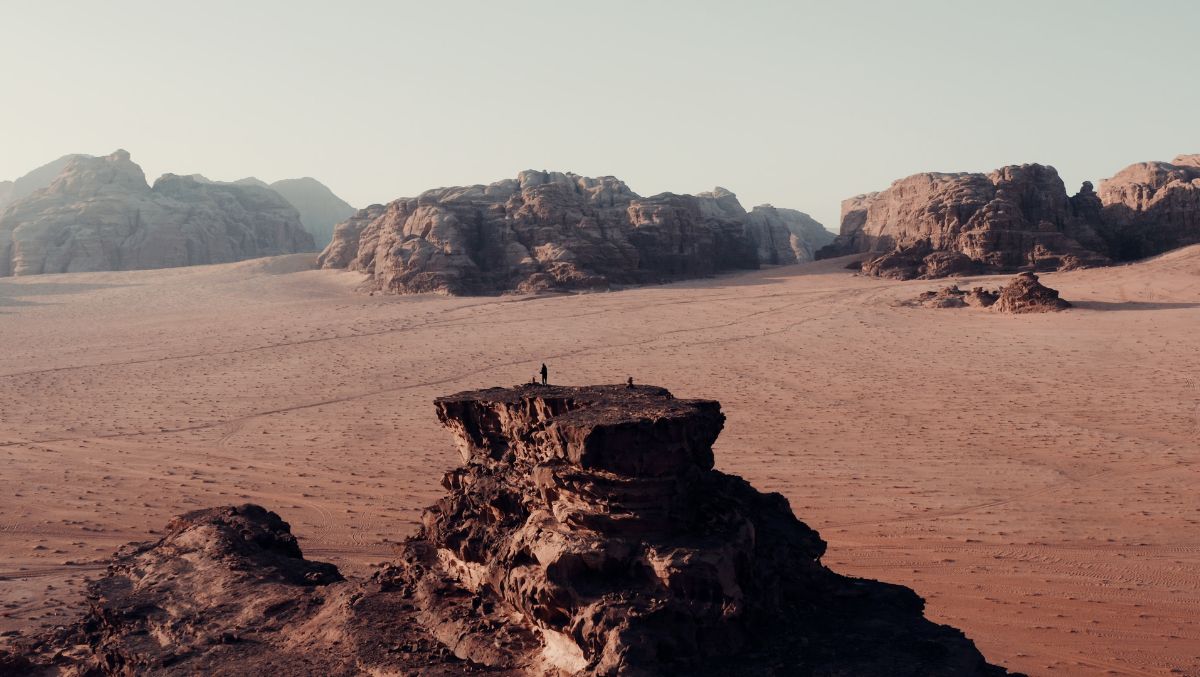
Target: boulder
x: 1025, y: 294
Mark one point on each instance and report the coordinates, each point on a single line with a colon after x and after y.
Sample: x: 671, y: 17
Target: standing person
x: 545, y: 372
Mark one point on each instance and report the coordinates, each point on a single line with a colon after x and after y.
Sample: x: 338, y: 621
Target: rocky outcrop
x: 586, y: 533
x: 1025, y: 294
x: 933, y: 224
x: 953, y: 297
x: 807, y: 235
x: 320, y: 210
x: 100, y: 214
x: 553, y: 231
x: 1152, y: 207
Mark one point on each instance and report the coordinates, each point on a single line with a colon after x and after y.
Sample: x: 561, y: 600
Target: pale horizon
x: 796, y: 106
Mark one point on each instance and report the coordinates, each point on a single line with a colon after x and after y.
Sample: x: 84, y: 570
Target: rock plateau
x: 586, y: 533
x: 556, y: 231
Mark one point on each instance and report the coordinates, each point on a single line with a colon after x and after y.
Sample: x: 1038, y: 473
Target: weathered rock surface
x: 807, y: 235
x: 585, y: 533
x: 1025, y: 294
x: 953, y: 297
x: 932, y: 225
x: 1152, y: 207
x: 320, y: 210
x: 554, y: 231
x: 34, y: 180
x: 100, y: 214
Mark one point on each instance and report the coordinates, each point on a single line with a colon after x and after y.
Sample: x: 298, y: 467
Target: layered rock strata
x: 933, y: 225
x: 555, y: 231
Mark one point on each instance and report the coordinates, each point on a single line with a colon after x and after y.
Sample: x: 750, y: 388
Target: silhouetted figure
x: 545, y: 372
x: 629, y: 383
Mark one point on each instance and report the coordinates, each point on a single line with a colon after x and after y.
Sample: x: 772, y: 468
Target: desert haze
x: 1033, y: 477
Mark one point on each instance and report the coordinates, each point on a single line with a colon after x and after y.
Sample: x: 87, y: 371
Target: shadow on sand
x: 1132, y: 305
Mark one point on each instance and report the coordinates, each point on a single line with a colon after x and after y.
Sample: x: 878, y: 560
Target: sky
x: 798, y: 104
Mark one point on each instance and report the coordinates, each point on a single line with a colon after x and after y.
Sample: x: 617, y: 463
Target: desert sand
x: 1033, y: 477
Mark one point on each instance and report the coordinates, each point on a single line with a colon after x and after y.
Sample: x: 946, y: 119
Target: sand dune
x: 1034, y: 477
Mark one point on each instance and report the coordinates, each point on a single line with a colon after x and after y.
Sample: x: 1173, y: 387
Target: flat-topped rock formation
x: 100, y: 214
x: 585, y: 533
x: 934, y: 224
x: 558, y: 231
x: 1019, y: 218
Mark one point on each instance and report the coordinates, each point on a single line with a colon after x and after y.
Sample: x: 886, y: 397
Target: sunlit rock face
x: 555, y: 231
x: 1152, y: 207
x: 933, y: 225
x: 100, y: 214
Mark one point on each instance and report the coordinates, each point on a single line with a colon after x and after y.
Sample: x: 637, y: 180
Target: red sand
x: 1034, y: 477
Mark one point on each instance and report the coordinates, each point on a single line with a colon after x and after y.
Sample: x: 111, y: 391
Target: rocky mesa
x: 560, y: 231
x: 1020, y: 218
x: 585, y: 533
x: 100, y: 214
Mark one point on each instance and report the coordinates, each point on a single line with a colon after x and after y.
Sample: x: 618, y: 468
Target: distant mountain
x: 100, y: 214
x: 43, y: 176
x: 320, y: 210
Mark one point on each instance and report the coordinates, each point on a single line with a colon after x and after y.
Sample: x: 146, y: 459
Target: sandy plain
x: 1035, y: 478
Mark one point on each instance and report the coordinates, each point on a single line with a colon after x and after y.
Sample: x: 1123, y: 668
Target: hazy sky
x: 799, y: 104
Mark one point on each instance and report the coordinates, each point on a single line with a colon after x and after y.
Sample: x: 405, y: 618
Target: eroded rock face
x: 553, y: 231
x: 586, y: 533
x: 1025, y: 294
x: 100, y: 214
x: 933, y: 225
x: 1152, y: 207
x: 596, y: 516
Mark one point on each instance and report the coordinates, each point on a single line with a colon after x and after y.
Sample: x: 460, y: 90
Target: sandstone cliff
x: 100, y: 214
x: 550, y: 231
x: 586, y: 533
x: 1015, y: 217
x: 1020, y: 217
x: 1152, y: 207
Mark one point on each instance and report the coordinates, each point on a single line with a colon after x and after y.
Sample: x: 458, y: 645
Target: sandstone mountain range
x: 561, y: 231
x: 83, y: 213
x: 1020, y: 217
